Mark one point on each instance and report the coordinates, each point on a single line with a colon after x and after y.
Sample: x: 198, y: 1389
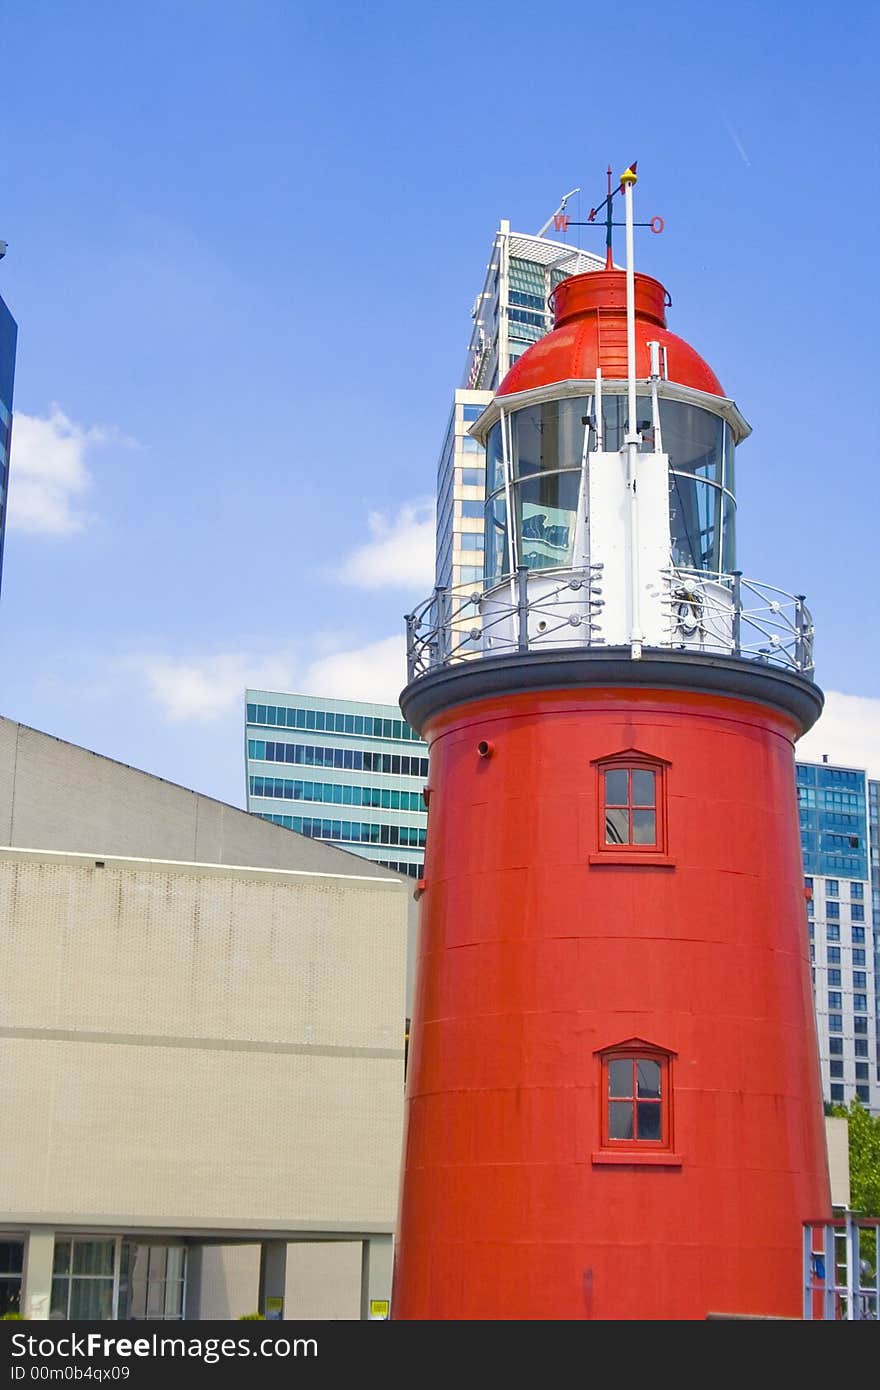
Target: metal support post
x: 522, y: 605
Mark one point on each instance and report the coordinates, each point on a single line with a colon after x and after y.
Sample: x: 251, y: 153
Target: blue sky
x: 243, y: 243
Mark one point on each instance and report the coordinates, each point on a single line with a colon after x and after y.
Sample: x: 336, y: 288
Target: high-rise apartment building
x: 874, y: 839
x: 8, y: 337
x: 343, y: 771
x: 511, y: 312
x: 833, y: 804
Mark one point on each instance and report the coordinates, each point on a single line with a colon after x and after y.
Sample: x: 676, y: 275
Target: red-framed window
x: 636, y: 1098
x: 631, y: 798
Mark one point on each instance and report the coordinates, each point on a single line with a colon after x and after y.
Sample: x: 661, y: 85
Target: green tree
x: 864, y: 1157
x: 864, y: 1172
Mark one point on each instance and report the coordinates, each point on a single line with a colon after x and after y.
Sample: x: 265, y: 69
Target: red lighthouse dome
x: 590, y: 332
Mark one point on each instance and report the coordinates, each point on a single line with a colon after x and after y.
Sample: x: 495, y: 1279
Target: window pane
x: 649, y: 1078
x: 546, y: 508
x: 616, y: 787
x: 644, y: 827
x: 91, y: 1300
x: 174, y: 1298
x: 155, y: 1298
x: 620, y: 1078
x: 59, y: 1299
x: 11, y: 1256
x: 643, y: 787
x: 93, y: 1257
x: 617, y: 827
x: 648, y: 1119
x: 62, y: 1257
x: 620, y: 1120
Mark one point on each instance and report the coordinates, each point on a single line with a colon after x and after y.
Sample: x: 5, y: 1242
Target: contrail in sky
x: 739, y: 144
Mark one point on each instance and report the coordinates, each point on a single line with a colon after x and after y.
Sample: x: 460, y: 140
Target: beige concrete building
x: 201, y: 1051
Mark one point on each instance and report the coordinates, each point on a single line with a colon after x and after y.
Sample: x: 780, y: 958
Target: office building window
x: 836, y: 1069
x: 834, y: 977
x: 831, y: 888
x: 860, y: 1003
x: 835, y: 999
x: 856, y: 892
x: 833, y: 932
x: 11, y: 1262
x: 83, y: 1280
x: 470, y: 574
x: 98, y: 1280
x: 833, y: 955
x: 860, y: 1024
x: 858, y: 935
x: 835, y: 1046
x: 472, y: 509
x: 860, y: 978
x: 857, y: 912
x: 861, y: 1047
x: 832, y: 910
x: 862, y: 1071
x: 864, y: 1094
x: 835, y: 1023
x: 858, y: 955
x: 837, y: 1093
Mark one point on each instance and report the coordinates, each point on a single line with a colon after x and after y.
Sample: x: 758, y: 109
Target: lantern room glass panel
x: 544, y: 454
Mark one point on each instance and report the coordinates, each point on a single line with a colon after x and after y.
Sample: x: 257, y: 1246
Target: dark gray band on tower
x: 591, y: 667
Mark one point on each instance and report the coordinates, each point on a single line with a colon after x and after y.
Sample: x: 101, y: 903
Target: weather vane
x: 561, y: 222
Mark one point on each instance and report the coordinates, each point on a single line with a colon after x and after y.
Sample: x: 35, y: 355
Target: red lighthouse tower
x: 614, y: 1106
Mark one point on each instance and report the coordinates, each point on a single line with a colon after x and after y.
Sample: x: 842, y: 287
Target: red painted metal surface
x: 534, y: 957
x: 590, y: 332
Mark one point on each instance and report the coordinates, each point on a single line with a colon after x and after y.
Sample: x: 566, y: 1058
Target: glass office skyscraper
x: 510, y: 313
x: 339, y: 770
x: 8, y: 337
x: 833, y: 805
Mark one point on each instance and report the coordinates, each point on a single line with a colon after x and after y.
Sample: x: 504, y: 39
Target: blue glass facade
x: 832, y: 802
x: 339, y: 770
x: 841, y: 922
x: 8, y: 337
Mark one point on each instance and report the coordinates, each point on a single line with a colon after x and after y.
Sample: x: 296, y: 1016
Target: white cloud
x: 48, y: 472
x: 848, y: 730
x: 400, y: 553
x: 212, y: 686
x: 374, y: 672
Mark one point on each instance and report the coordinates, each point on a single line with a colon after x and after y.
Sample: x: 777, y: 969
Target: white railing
x: 841, y: 1269
x: 722, y: 614
x: 730, y: 614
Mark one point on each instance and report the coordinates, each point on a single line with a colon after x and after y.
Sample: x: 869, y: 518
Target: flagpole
x: 627, y: 179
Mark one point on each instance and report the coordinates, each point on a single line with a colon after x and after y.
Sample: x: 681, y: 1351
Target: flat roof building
x: 202, y: 1037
